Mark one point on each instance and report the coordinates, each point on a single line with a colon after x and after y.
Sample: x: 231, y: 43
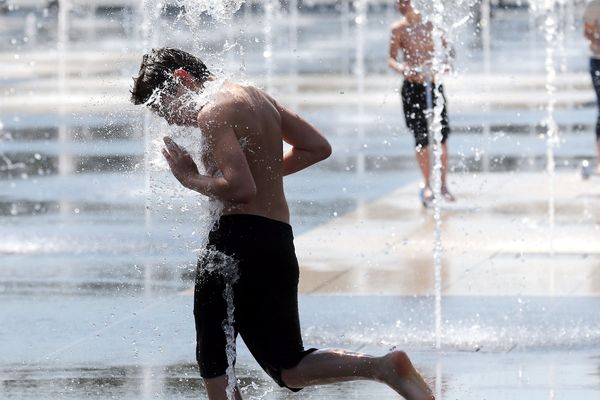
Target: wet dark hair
x: 156, y: 71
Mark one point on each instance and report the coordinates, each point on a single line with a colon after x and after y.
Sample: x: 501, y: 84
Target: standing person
x: 413, y: 37
x: 591, y: 18
x: 244, y: 130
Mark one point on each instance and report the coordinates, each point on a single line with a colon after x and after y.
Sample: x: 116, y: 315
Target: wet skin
x: 243, y: 130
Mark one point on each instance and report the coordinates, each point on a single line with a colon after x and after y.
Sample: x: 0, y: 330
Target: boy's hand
x: 181, y: 163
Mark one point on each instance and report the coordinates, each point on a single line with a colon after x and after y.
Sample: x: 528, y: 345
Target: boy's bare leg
x: 422, y: 154
x: 216, y: 388
x: 330, y: 366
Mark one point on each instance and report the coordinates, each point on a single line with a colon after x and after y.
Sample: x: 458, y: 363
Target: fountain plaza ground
x: 95, y: 290
x: 520, y: 288
x: 520, y: 304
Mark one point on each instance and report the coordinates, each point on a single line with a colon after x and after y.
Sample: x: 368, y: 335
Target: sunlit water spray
x: 173, y: 196
x: 150, y: 14
x: 360, y: 20
x: 460, y: 12
x: 436, y: 134
x: 220, y: 10
x: 268, y: 45
x: 548, y: 7
x: 216, y: 265
x: 167, y: 193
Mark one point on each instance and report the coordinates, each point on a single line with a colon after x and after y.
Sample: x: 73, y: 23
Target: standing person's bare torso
x: 416, y: 42
x: 257, y: 125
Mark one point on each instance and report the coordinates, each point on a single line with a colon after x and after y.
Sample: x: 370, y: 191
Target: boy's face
x: 404, y: 6
x: 175, y: 104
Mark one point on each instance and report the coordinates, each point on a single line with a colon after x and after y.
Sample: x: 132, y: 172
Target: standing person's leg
x: 444, y: 159
x: 598, y: 149
x: 414, y: 103
x: 329, y: 366
x: 595, y: 72
x: 210, y: 313
x: 422, y: 155
x: 216, y: 388
x: 444, y: 165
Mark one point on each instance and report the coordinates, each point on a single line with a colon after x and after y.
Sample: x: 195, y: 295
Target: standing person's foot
x: 402, y: 376
x: 447, y: 195
x: 425, y: 195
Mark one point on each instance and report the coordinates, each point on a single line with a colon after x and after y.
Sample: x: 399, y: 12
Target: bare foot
x: 447, y: 195
x: 404, y: 378
x: 426, y: 195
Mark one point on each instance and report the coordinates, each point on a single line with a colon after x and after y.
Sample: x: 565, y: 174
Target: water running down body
x: 254, y: 229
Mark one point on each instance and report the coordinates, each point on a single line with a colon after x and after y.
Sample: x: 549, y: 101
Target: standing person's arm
x: 449, y: 54
x: 590, y: 31
x: 395, y: 47
x: 236, y: 185
x: 590, y: 26
x: 309, y: 146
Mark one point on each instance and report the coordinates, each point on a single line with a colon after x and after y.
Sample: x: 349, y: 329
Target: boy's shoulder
x: 399, y: 24
x: 221, y: 110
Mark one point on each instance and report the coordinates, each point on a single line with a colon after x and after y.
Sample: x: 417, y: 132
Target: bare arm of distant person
x: 309, y: 146
x: 450, y: 54
x: 236, y: 185
x: 590, y: 31
x: 395, y: 47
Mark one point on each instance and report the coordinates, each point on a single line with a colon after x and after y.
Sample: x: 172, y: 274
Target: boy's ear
x: 183, y: 74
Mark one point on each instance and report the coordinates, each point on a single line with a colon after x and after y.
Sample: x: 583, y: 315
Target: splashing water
x: 551, y: 126
x: 442, y: 32
x: 268, y: 46
x: 191, y: 142
x: 436, y: 133
x: 547, y: 10
x: 220, y: 10
x: 162, y: 186
x: 213, y: 263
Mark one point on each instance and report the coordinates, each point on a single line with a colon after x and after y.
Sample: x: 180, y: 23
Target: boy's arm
x: 236, y: 184
x: 590, y: 31
x: 309, y: 146
x: 590, y: 26
x: 393, y: 53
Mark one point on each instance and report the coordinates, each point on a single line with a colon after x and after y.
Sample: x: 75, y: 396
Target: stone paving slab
x: 498, y: 238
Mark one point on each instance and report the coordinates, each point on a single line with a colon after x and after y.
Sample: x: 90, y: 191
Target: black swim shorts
x: 414, y: 102
x: 265, y: 295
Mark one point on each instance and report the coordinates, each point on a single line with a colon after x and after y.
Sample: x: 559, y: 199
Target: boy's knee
x: 291, y: 378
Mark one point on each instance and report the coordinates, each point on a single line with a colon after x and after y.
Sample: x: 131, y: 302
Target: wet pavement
x: 519, y: 306
x: 502, y: 237
x: 468, y: 376
x: 97, y: 258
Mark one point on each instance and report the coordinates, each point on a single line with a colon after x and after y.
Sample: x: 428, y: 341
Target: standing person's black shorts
x: 265, y: 295
x: 595, y: 72
x: 414, y: 102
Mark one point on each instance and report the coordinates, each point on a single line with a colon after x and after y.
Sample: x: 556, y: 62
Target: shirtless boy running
x: 254, y: 228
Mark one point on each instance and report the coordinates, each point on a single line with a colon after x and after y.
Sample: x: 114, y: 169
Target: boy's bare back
x: 259, y: 125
